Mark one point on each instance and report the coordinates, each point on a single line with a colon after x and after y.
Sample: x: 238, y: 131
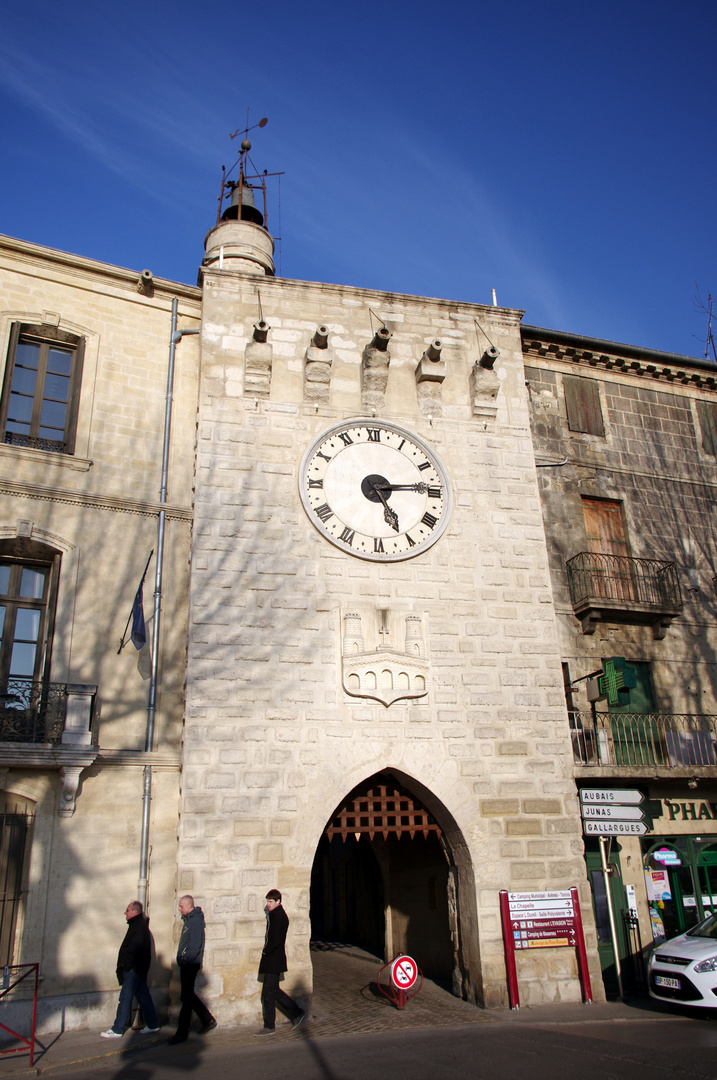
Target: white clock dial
x: 375, y: 490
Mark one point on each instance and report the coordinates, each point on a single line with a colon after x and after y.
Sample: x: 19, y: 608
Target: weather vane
x: 241, y: 191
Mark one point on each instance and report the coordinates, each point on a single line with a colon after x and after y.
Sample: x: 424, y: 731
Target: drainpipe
x: 175, y: 336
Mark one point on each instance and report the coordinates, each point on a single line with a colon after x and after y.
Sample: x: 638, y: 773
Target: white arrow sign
x: 619, y: 813
x: 542, y: 905
x: 614, y: 828
x: 554, y: 894
x: 617, y: 796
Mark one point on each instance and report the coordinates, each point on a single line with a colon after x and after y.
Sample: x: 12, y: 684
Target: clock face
x: 375, y: 490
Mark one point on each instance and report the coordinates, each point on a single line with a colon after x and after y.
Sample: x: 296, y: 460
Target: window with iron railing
x: 32, y: 712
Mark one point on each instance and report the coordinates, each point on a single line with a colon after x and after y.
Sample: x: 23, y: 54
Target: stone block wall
x: 273, y: 743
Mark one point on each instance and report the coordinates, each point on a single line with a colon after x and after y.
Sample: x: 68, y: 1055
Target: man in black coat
x: 133, y: 960
x: 273, y: 965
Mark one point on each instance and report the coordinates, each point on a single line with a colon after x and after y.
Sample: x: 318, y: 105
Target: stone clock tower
x: 375, y: 716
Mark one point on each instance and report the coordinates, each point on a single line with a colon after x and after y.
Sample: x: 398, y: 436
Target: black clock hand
x: 420, y: 487
x: 389, y: 516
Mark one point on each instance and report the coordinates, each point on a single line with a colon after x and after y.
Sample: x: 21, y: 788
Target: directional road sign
x: 620, y: 796
x: 616, y: 813
x: 614, y: 828
x: 612, y: 812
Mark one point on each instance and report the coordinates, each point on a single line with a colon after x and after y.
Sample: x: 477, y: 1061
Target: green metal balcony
x: 644, y: 741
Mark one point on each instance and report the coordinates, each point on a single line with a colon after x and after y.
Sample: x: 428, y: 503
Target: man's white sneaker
x: 146, y: 1030
x: 111, y: 1034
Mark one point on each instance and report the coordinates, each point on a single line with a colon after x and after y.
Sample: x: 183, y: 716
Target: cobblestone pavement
x: 347, y: 1001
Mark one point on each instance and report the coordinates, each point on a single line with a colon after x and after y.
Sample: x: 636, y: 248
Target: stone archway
x: 392, y: 874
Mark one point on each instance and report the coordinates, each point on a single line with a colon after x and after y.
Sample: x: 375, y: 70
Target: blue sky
x: 562, y: 153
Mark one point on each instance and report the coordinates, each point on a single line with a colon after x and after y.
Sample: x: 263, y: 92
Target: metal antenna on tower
x: 708, y: 308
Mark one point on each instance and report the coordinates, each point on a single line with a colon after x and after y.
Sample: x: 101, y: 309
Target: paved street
x: 354, y: 1033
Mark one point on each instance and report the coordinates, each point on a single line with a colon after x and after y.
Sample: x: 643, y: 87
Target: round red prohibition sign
x: 404, y: 972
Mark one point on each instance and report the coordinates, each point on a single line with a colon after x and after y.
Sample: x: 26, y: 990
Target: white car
x: 684, y: 969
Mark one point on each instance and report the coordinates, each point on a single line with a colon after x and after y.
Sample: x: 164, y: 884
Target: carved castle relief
x: 384, y: 673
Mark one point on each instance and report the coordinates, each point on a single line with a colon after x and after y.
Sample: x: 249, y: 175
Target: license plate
x: 663, y: 980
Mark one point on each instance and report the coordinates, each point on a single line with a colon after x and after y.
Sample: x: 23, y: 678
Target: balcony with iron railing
x: 45, y: 713
x: 46, y: 725
x: 644, y: 744
x: 616, y: 588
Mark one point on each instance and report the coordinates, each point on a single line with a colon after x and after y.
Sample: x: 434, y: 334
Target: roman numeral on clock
x: 347, y: 536
x: 324, y: 512
x: 378, y: 544
x: 425, y: 465
x: 434, y: 492
x: 374, y: 434
x: 429, y: 520
x: 345, y: 438
x: 316, y: 483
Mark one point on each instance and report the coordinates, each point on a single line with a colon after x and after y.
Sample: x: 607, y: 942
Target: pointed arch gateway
x: 392, y: 873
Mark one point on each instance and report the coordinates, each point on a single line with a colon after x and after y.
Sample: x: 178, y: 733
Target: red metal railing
x: 5, y: 988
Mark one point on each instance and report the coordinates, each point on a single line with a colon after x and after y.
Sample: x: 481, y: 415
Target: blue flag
x: 138, y: 636
x: 139, y: 633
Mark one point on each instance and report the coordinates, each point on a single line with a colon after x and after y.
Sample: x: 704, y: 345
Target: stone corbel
x: 430, y: 373
x: 258, y: 359
x: 70, y: 775
x: 484, y: 386
x: 317, y: 368
x: 375, y: 361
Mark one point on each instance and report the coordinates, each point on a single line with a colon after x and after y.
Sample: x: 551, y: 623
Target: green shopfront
x: 662, y: 882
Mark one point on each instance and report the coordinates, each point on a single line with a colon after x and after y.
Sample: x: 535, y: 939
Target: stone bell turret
x: 240, y: 240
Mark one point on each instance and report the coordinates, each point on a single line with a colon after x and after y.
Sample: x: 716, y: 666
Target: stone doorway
x: 389, y: 877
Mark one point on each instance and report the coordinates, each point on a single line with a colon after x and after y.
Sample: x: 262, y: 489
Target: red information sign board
x: 542, y: 920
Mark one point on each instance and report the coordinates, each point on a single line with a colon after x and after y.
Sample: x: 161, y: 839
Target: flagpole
x: 131, y: 614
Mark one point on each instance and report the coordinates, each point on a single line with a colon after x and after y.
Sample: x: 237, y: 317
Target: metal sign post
x: 404, y: 975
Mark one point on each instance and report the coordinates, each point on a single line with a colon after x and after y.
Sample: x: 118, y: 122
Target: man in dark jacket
x: 133, y: 960
x: 273, y: 964
x: 189, y: 957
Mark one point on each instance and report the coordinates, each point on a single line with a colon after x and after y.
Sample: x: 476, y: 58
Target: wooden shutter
x: 707, y: 414
x: 582, y: 402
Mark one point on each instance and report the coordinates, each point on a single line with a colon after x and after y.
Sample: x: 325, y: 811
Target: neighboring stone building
x: 627, y: 441
x: 85, y: 351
